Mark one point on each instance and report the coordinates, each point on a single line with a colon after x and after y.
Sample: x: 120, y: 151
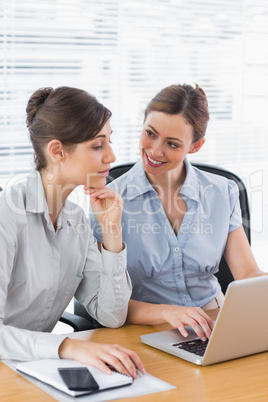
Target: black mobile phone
x: 78, y: 378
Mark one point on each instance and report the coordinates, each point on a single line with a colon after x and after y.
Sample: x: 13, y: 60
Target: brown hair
x: 186, y: 100
x: 70, y: 115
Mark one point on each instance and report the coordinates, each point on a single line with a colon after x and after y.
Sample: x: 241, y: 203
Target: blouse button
x: 177, y: 249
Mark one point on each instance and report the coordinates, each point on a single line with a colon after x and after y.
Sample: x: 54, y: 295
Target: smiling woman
x: 181, y: 220
x: 165, y: 148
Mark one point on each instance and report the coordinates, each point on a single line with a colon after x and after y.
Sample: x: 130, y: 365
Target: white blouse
x: 41, y: 269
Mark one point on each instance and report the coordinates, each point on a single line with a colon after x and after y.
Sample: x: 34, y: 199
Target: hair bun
x: 197, y: 87
x: 35, y: 102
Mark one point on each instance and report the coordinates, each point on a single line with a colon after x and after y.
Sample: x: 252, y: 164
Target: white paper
x: 144, y: 385
x: 46, y: 370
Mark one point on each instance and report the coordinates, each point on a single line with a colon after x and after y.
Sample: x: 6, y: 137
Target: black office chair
x: 224, y: 275
x: 80, y: 320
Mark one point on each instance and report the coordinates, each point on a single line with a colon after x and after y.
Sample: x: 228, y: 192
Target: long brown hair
x: 68, y: 114
x: 190, y: 102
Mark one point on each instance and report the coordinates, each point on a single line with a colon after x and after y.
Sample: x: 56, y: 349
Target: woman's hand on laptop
x: 177, y: 316
x: 195, y: 317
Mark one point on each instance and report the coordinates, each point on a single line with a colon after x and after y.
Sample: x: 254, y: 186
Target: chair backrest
x: 224, y: 275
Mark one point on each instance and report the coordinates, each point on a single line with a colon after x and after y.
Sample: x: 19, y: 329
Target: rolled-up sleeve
x: 234, y: 204
x: 106, y: 286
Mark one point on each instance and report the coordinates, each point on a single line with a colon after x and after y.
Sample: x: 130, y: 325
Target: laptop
x: 241, y: 328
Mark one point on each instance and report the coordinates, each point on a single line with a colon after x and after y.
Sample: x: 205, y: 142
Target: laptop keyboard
x: 196, y: 346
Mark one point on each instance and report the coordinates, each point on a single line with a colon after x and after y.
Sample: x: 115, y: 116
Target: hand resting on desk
x: 99, y: 355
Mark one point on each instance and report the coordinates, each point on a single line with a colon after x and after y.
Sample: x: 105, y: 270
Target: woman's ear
x: 197, y: 145
x: 56, y: 150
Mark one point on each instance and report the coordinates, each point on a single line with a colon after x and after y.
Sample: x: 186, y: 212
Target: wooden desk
x: 243, y: 379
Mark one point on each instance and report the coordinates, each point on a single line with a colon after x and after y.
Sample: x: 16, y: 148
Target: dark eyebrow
x: 153, y: 129
x: 168, y: 138
x: 101, y: 135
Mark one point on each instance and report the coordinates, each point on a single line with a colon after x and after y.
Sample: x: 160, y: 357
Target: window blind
x: 124, y: 51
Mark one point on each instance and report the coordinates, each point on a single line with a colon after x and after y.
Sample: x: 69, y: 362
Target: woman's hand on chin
x: 107, y: 206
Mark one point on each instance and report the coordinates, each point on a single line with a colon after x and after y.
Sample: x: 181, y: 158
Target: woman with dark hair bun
x: 177, y: 220
x: 48, y: 252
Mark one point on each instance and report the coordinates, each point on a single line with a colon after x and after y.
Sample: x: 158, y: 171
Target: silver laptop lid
x: 241, y: 327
